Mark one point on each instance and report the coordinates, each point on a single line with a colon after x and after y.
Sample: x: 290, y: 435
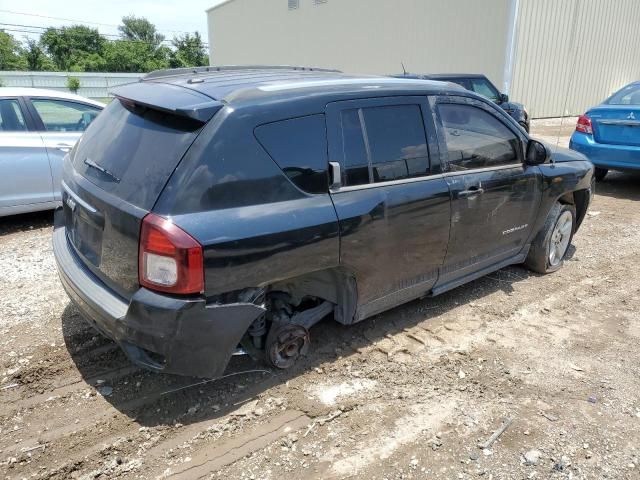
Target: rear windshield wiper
x: 93, y: 164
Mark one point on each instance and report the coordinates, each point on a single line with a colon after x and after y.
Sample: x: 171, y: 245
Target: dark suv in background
x: 223, y: 205
x: 482, y: 86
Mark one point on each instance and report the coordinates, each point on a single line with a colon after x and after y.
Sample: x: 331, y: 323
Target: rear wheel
x: 285, y: 343
x: 600, y: 173
x: 552, y: 242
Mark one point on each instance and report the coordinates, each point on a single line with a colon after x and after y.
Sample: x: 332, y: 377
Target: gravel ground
x: 553, y: 361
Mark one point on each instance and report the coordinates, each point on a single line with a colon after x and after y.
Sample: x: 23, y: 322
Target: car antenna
x: 404, y: 70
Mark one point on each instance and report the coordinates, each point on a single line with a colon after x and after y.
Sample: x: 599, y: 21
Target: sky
x: 170, y: 17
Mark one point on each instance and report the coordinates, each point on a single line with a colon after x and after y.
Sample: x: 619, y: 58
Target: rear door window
x: 64, y: 116
x: 397, y: 142
x: 476, y: 139
x: 383, y: 143
x: 11, y: 118
x: 299, y: 147
x: 356, y: 160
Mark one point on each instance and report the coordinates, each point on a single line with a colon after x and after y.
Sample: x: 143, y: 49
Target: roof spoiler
x: 170, y: 72
x: 170, y: 99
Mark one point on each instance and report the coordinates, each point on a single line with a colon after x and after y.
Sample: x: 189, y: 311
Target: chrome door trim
x: 423, y: 178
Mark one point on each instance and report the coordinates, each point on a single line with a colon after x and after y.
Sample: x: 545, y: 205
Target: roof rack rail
x: 172, y: 72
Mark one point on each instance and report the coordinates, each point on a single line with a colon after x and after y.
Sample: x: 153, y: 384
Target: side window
x: 11, y: 118
x: 397, y: 142
x: 356, y: 160
x: 476, y: 139
x: 383, y: 144
x: 484, y: 88
x: 64, y: 116
x: 299, y: 147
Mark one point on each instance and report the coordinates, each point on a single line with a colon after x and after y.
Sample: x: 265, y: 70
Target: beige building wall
x: 572, y: 54
x: 364, y: 36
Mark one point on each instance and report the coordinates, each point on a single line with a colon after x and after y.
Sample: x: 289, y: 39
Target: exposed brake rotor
x: 285, y: 343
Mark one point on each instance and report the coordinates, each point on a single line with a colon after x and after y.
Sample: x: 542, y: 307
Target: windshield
x: 629, y: 95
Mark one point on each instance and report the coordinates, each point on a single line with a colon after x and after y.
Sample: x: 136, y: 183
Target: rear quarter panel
x: 255, y: 225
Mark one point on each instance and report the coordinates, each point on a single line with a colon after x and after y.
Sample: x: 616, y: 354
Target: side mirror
x: 537, y: 153
x: 504, y: 98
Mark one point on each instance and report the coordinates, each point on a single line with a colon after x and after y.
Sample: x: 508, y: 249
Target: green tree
x: 76, y: 48
x: 128, y: 56
x: 11, y: 53
x: 140, y: 29
x: 35, y: 58
x: 189, y: 51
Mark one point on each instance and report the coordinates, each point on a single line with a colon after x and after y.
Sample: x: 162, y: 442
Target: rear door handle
x: 64, y: 147
x: 471, y: 192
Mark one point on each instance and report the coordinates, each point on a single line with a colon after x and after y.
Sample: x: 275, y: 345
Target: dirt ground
x: 411, y: 393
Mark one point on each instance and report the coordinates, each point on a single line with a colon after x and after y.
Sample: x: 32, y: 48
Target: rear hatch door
x: 116, y: 172
x: 616, y: 125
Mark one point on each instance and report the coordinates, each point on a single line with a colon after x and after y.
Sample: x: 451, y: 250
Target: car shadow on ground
x: 159, y: 399
x: 621, y: 185
x: 25, y: 222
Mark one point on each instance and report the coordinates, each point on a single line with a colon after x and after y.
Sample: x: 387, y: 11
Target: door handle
x: 336, y: 175
x: 64, y: 147
x: 471, y: 192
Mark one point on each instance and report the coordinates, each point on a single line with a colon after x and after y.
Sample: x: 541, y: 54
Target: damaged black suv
x: 209, y: 207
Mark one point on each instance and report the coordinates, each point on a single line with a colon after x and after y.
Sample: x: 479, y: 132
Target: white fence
x: 92, y: 85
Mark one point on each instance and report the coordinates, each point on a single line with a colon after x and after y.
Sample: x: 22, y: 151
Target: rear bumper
x: 157, y: 332
x: 615, y: 157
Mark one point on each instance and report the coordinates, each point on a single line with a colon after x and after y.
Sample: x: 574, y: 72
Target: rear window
x: 629, y: 95
x: 299, y: 147
x: 131, y: 152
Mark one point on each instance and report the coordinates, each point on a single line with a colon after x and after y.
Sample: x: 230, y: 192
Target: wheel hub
x: 286, y: 343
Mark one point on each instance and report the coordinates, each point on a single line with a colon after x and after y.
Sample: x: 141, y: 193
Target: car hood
x: 560, y: 154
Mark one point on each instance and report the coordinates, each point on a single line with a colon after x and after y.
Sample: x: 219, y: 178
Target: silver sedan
x: 37, y: 128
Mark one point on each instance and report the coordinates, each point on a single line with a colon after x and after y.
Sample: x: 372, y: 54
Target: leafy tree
x: 189, y: 51
x: 141, y: 30
x: 10, y: 53
x: 74, y: 48
x: 128, y: 56
x: 35, y: 58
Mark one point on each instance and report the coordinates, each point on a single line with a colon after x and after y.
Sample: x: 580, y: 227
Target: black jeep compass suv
x: 209, y: 207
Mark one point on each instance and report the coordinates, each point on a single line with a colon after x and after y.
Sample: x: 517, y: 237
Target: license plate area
x: 618, y: 133
x: 84, y: 228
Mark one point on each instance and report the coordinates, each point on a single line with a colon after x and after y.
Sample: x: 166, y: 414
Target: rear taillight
x: 170, y: 260
x: 584, y: 125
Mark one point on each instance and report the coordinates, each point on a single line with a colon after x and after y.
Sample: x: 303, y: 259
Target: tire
x: 525, y: 126
x: 554, y: 234
x: 600, y: 173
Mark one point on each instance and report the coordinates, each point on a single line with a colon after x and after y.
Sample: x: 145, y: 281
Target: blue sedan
x: 609, y: 133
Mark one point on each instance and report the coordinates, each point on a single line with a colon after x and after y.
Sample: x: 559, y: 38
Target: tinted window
x: 133, y: 151
x: 63, y: 116
x: 11, y: 119
x: 629, y: 95
x: 356, y: 161
x: 299, y: 147
x: 397, y: 142
x: 483, y: 87
x: 476, y: 139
